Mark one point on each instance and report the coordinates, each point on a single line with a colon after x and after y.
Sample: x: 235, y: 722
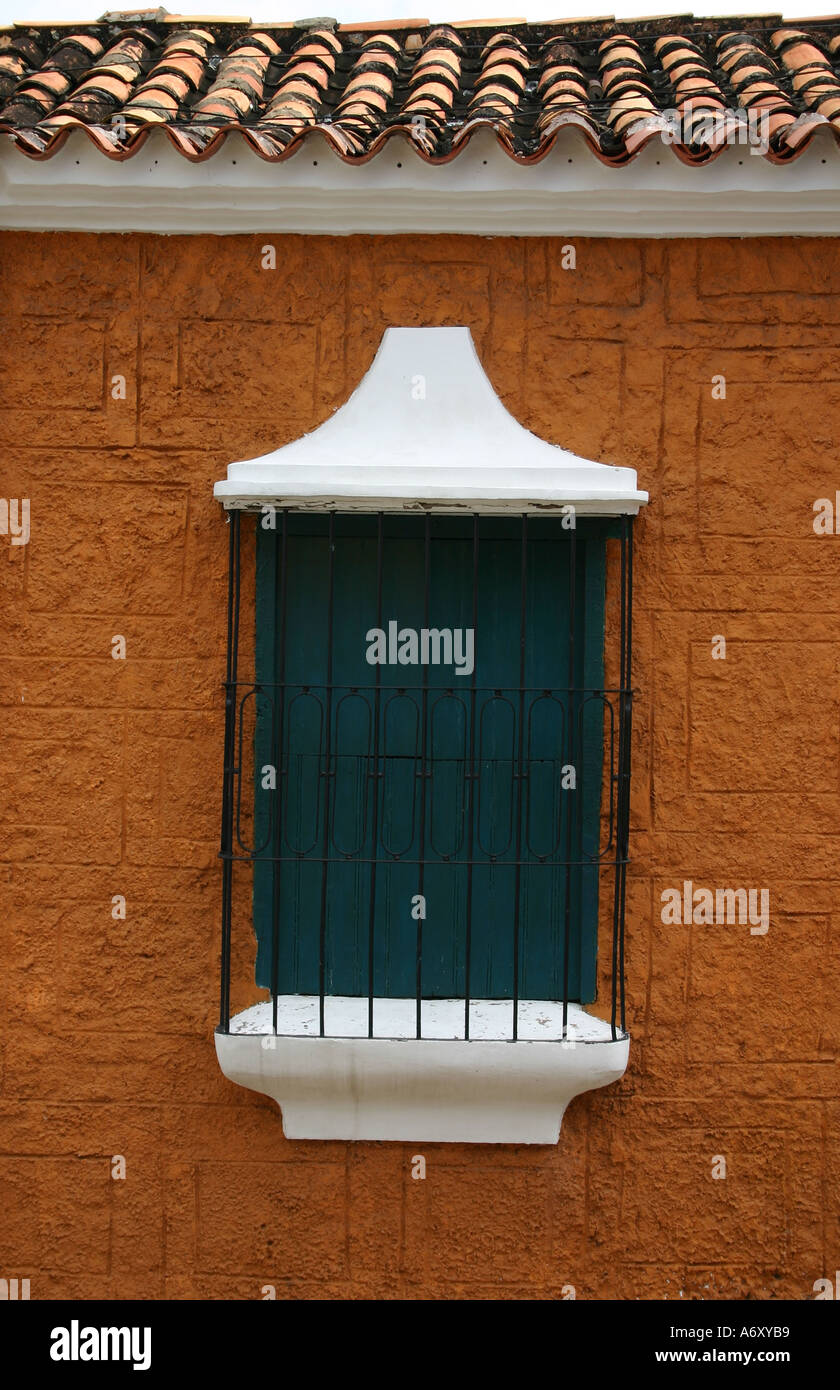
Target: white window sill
x: 439, y: 1088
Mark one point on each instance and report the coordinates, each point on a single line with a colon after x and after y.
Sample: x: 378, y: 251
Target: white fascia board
x: 481, y: 191
x: 425, y: 429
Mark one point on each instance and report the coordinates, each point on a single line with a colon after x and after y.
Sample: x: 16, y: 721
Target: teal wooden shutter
x: 429, y: 817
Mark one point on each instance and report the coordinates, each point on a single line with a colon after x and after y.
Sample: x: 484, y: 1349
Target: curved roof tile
x: 698, y: 86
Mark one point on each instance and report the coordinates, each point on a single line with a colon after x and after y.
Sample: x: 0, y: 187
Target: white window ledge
x: 439, y: 1088
x: 482, y: 192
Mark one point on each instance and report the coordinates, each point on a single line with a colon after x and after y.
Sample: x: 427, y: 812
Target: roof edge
x: 483, y: 192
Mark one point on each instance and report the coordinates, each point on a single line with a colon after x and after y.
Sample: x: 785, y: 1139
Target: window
x: 431, y: 827
x: 426, y: 794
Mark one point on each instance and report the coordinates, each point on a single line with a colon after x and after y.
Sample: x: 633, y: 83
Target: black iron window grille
x: 418, y: 824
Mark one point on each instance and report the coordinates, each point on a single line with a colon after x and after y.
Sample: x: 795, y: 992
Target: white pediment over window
x: 425, y: 430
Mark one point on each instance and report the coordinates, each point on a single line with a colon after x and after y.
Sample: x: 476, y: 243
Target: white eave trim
x: 425, y: 430
x: 481, y: 191
x: 440, y: 1088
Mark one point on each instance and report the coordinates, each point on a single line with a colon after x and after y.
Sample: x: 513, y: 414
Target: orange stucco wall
x: 111, y: 769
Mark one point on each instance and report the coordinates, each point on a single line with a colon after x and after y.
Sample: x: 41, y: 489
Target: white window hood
x: 424, y: 431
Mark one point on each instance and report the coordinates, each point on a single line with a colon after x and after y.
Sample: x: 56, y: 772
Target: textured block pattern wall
x: 111, y: 769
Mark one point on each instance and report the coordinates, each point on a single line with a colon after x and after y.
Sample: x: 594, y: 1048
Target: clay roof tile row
x: 359, y: 85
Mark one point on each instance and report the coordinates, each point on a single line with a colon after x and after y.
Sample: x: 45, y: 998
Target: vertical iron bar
x: 280, y: 695
x: 471, y: 814
x: 523, y: 599
x: 579, y: 880
x: 618, y: 910
x: 322, y: 935
x: 424, y: 714
x: 374, y: 778
x: 570, y: 847
x: 625, y: 855
x: 226, y: 847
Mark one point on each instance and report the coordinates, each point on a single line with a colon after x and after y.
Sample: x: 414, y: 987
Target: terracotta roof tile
x: 563, y: 92
x: 813, y: 77
x: 379, y: 26
x: 698, y: 82
x: 486, y: 23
